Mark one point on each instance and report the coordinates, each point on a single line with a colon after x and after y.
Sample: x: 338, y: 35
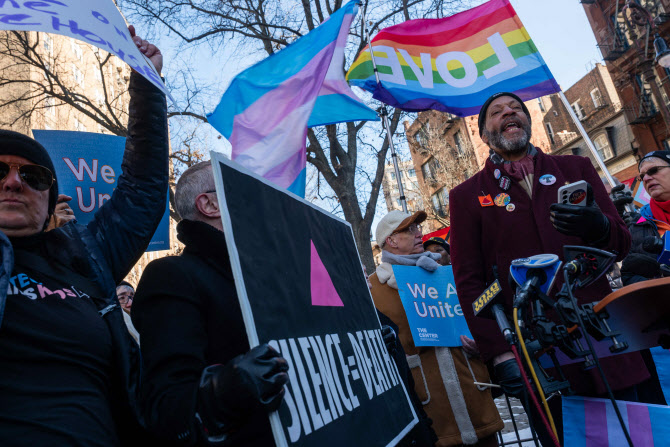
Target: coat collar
x: 204, y: 241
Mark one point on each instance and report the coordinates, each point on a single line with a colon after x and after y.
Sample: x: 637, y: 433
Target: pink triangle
x: 321, y: 286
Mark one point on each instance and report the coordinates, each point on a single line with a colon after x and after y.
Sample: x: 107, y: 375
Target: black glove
x: 508, y: 376
x: 390, y: 339
x: 229, y: 393
x: 587, y: 222
x: 641, y: 265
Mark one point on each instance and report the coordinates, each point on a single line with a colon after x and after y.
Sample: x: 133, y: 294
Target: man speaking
x: 507, y: 211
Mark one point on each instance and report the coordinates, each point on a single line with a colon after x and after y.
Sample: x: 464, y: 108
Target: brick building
x: 595, y: 102
x: 641, y: 84
x: 447, y: 150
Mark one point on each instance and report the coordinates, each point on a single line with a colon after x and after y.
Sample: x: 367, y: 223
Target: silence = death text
x: 325, y: 365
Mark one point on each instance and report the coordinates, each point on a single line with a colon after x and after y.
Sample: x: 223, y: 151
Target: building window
x: 78, y: 75
x: 411, y: 172
x: 78, y: 126
x: 578, y: 109
x: 393, y: 175
x: 597, y: 98
x: 429, y: 169
x: 423, y: 136
x: 440, y: 200
x: 550, y: 132
x: 541, y: 104
x: 575, y: 150
x: 76, y: 49
x: 603, y: 147
x: 47, y: 42
x: 460, y: 144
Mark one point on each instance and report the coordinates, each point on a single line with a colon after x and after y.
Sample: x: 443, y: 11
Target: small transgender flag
x: 267, y: 109
x: 590, y: 422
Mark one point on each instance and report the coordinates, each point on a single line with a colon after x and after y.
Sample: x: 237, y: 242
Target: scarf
x: 521, y: 170
x: 661, y: 213
x: 426, y: 260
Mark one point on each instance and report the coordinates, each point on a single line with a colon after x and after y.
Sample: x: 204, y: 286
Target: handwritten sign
x: 431, y: 304
x: 98, y: 23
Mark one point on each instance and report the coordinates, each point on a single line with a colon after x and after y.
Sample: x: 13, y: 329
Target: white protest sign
x: 98, y: 23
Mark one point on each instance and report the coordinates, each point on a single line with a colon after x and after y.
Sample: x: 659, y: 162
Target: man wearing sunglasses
x: 70, y: 369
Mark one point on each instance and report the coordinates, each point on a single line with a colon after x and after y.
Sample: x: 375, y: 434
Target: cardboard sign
x: 431, y: 305
x: 98, y: 23
x: 88, y: 166
x: 302, y: 290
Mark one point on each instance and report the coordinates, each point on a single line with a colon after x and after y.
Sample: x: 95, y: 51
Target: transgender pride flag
x: 266, y: 110
x: 590, y: 422
x: 454, y: 64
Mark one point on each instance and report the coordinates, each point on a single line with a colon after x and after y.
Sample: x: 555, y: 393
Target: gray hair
x: 193, y: 182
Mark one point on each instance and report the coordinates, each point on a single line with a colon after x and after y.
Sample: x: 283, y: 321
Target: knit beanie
x: 482, y: 113
x: 15, y: 143
x: 663, y: 155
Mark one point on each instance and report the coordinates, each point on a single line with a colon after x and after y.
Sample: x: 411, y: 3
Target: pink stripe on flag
x: 421, y: 27
x: 285, y: 174
x: 595, y: 422
x: 280, y: 145
x: 639, y: 425
x: 262, y: 117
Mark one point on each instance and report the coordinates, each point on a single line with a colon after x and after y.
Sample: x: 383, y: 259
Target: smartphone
x: 574, y: 193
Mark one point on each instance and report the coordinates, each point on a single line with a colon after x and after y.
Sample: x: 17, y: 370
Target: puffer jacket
x: 107, y: 248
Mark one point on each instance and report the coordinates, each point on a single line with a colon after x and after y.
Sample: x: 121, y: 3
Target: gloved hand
x: 250, y: 382
x: 641, y: 265
x: 508, y: 376
x: 390, y: 339
x: 587, y: 222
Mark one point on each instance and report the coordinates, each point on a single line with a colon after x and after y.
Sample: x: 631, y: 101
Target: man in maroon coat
x: 508, y: 210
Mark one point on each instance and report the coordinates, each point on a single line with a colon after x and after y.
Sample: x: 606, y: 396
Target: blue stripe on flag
x: 330, y: 109
x: 299, y: 184
x: 662, y: 361
x: 574, y: 423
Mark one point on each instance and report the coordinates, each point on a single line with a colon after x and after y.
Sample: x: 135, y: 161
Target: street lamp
x: 662, y: 51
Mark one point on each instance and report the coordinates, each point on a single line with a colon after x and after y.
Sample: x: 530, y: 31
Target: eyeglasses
x: 651, y: 171
x: 123, y: 299
x: 37, y: 177
x: 413, y: 229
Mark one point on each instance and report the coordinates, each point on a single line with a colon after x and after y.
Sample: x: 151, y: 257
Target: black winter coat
x: 106, y: 249
x: 188, y: 316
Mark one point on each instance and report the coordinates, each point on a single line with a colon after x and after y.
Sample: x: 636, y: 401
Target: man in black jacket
x: 202, y: 384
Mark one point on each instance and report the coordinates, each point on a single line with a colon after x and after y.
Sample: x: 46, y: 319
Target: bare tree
x: 447, y: 162
x: 36, y: 76
x: 267, y: 26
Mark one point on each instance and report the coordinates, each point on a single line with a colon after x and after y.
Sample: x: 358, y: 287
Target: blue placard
x: 434, y: 314
x: 87, y: 167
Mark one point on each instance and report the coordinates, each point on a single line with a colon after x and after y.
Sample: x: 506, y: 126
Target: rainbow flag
x: 454, y: 64
x: 266, y: 110
x: 590, y: 422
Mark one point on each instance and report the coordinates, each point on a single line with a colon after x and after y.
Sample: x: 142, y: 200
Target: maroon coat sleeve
x: 468, y: 265
x: 620, y: 239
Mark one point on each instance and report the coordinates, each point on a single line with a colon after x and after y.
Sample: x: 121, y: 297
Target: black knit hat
x: 481, y: 121
x: 438, y: 241
x: 663, y: 155
x: 14, y: 143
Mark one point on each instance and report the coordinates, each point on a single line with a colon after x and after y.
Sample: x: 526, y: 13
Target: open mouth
x: 511, y: 127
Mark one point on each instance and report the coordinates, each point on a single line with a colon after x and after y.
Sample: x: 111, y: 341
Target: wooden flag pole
x: 587, y: 140
x: 383, y: 113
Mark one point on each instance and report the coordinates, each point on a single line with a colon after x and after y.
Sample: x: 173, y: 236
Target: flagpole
x: 587, y: 140
x: 383, y: 114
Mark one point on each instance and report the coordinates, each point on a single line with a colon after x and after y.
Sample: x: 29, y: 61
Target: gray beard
x: 498, y: 141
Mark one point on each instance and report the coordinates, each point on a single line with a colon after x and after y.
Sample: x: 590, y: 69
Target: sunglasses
x: 37, y: 177
x: 651, y: 171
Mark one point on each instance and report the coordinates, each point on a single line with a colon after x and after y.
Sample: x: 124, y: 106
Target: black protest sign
x: 302, y: 289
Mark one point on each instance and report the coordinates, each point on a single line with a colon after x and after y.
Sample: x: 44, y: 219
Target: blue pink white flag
x: 267, y: 109
x: 591, y: 422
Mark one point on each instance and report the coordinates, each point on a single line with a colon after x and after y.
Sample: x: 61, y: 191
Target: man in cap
x: 439, y: 246
x: 461, y: 412
x: 507, y: 211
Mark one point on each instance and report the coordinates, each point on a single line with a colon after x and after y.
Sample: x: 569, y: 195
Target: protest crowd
x: 87, y: 359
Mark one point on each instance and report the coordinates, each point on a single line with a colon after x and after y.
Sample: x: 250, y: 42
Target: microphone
x: 658, y: 246
x: 534, y: 274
